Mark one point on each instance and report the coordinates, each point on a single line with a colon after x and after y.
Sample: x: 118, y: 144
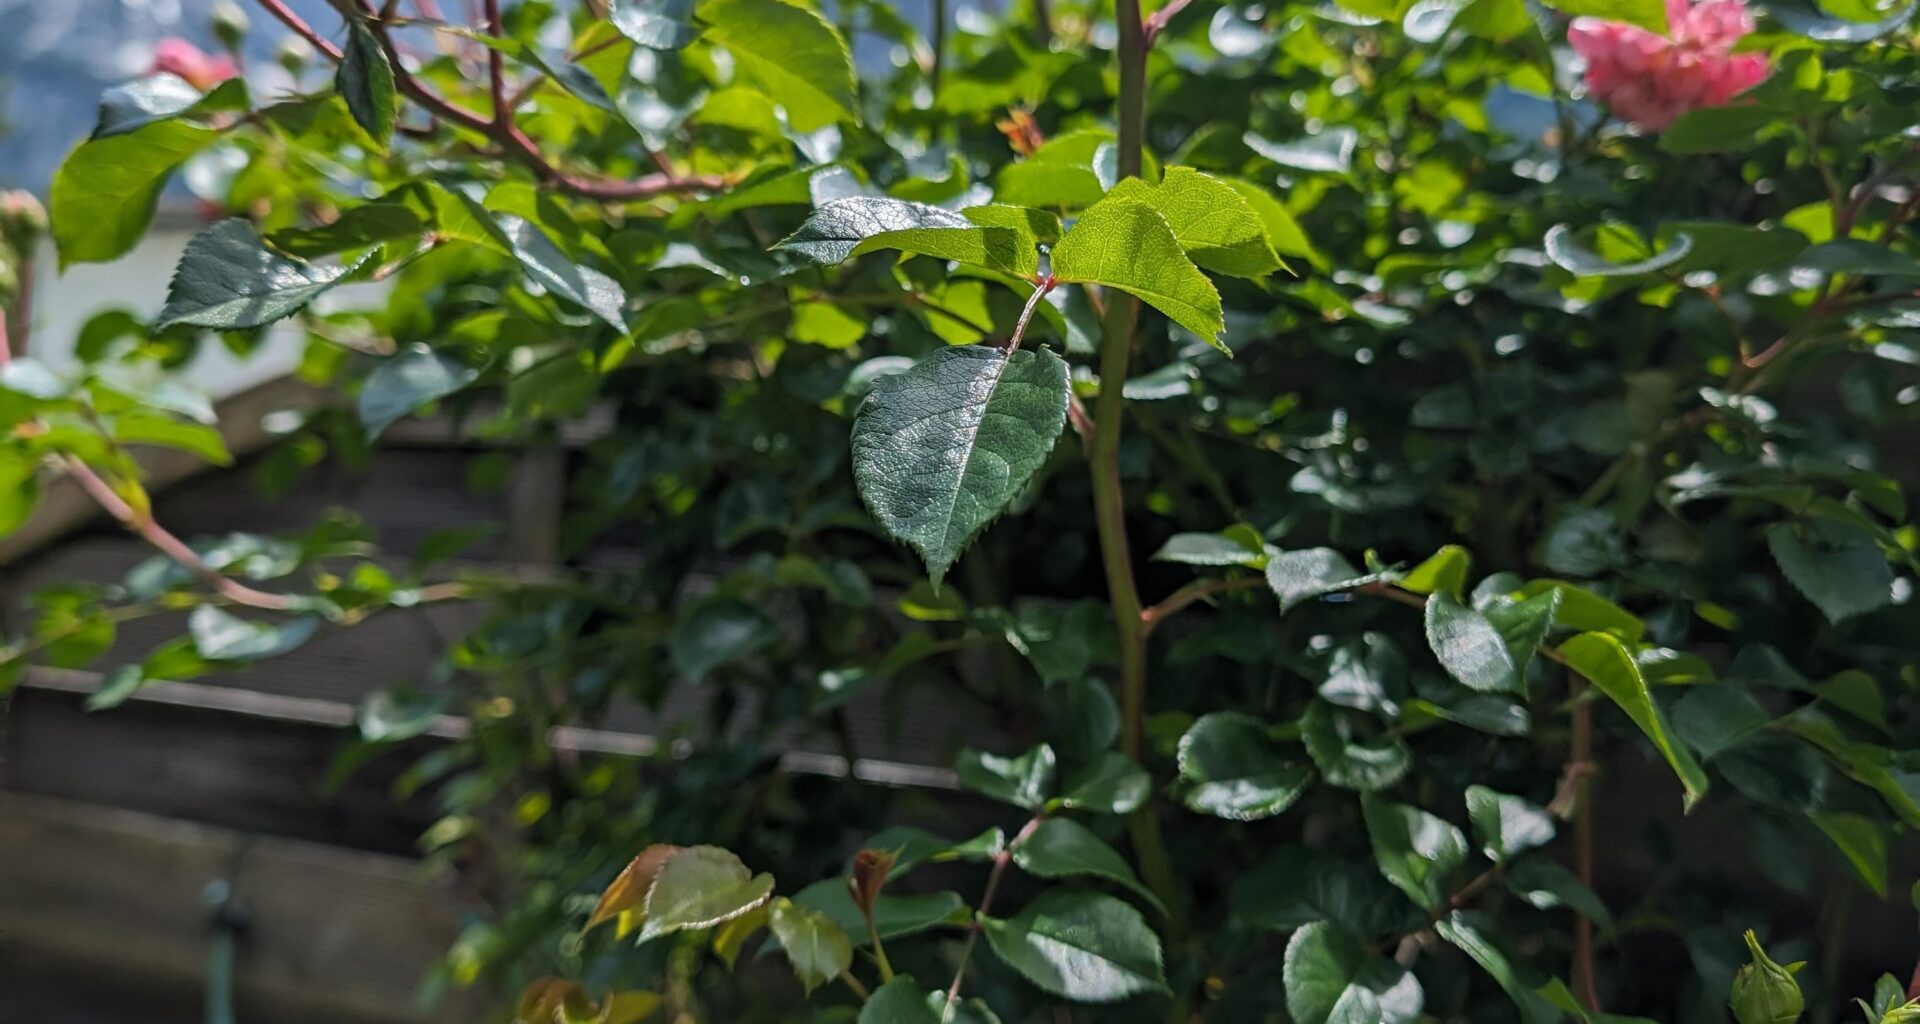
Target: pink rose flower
x: 202, y: 70
x: 1649, y: 79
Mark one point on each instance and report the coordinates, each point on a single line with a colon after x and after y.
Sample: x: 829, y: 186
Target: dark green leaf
x: 1110, y: 785
x: 1469, y: 932
x: 228, y: 279
x: 1080, y: 945
x: 1061, y: 848
x: 546, y: 264
x: 222, y: 636
x: 1023, y: 781
x: 1233, y: 769
x: 1863, y: 842
x: 1611, y: 244
x: 142, y: 102
x: 1231, y: 547
x: 1296, y: 886
x: 1333, y: 978
x: 1347, y: 760
x: 1469, y: 647
x: 900, y: 1001
x: 406, y: 382
x: 941, y: 450
x: 1300, y: 576
x: 365, y: 83
x: 719, y: 631
x: 893, y: 916
x: 1721, y: 129
x: 1506, y: 825
x: 816, y: 947
x: 1416, y: 851
x: 1842, y: 580
x: 1544, y: 883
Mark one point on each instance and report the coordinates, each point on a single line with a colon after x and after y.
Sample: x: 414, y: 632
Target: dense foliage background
x: 1495, y: 612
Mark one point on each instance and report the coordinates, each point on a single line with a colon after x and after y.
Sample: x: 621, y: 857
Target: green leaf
x: 357, y: 227
x: 816, y: 947
x: 1230, y: 547
x: 655, y: 24
x: 699, y: 887
x: 1300, y: 576
x: 1855, y: 256
x: 1296, y: 886
x: 19, y: 493
x: 1233, y: 769
x: 1468, y: 932
x: 1544, y: 883
x: 1587, y: 611
x: 1611, y: 244
x: 941, y: 450
x: 1366, y: 765
x: 1329, y: 151
x: 1023, y: 781
x: 1126, y: 244
x: 103, y: 196
x: 545, y: 263
x: 893, y: 916
x: 1863, y: 842
x: 1333, y: 978
x: 1523, y: 626
x: 837, y: 229
x: 1079, y: 945
x: 1445, y: 569
x: 228, y: 279
x: 1718, y: 717
x: 1648, y: 14
x: 1605, y: 662
x: 1469, y: 647
x: 1212, y: 221
x: 1506, y: 825
x: 1722, y: 129
x: 365, y: 84
x: 1842, y: 580
x: 222, y: 636
x: 1061, y: 848
x: 1112, y: 784
x: 899, y: 1001
x: 406, y: 382
x: 719, y: 631
x: 143, y: 101
x: 1283, y: 232
x: 792, y: 52
x: 198, y: 439
x: 1416, y: 851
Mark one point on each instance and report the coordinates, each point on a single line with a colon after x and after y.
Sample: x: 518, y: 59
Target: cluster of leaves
x: 1366, y: 287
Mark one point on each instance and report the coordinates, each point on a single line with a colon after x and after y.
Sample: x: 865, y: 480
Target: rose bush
x: 1429, y: 548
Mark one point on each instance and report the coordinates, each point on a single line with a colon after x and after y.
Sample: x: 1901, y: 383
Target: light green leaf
x: 103, y: 196
x: 1445, y: 569
x: 1469, y: 647
x: 1238, y: 546
x: 699, y: 887
x: 1605, y: 662
x: 1721, y: 129
x: 1062, y: 848
x: 1233, y: 769
x: 941, y: 450
x: 1333, y: 978
x: 1506, y: 825
x: 655, y: 24
x: 1416, y: 851
x: 1585, y: 610
x: 1283, y: 232
x: 1080, y: 945
x: 143, y: 101
x: 195, y: 438
x: 365, y: 83
x: 1842, y: 580
x: 1346, y: 760
x: 1126, y: 244
x: 406, y: 382
x: 1648, y: 14
x: 792, y: 52
x: 1212, y: 221
x: 1468, y: 932
x: 228, y: 279
x: 1300, y: 576
x: 816, y: 947
x: 1023, y: 781
x: 221, y: 636
x: 19, y: 492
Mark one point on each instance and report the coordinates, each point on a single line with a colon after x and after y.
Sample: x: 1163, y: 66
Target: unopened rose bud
x: 1764, y: 992
x: 22, y: 221
x: 229, y: 24
x: 294, y: 55
x: 870, y: 871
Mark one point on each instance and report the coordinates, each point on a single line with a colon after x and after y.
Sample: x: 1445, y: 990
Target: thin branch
x: 300, y: 28
x: 1000, y: 862
x: 1157, y: 21
x: 1040, y: 290
x: 1082, y: 420
x: 1192, y: 592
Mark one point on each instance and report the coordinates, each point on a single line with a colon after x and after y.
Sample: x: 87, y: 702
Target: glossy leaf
x: 1023, y: 781
x: 1232, y: 768
x: 1348, y: 760
x: 365, y: 83
x: 229, y: 280
x: 1841, y: 580
x: 1416, y: 851
x: 103, y: 196
x: 1079, y: 945
x: 1300, y: 576
x: 941, y: 450
x: 1333, y: 978
x: 793, y: 53
x: 1062, y: 848
x: 1506, y: 825
x: 1602, y: 659
x: 816, y: 947
x: 698, y: 887
x: 655, y: 24
x: 404, y: 383
x: 1213, y: 222
x: 222, y: 636
x: 1469, y: 647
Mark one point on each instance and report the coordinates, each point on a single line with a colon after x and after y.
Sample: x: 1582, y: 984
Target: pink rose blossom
x: 202, y: 70
x: 1650, y: 79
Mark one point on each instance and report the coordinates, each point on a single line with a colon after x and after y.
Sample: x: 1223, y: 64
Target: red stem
x: 1193, y: 592
x: 1000, y: 862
